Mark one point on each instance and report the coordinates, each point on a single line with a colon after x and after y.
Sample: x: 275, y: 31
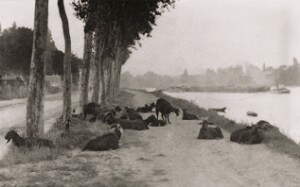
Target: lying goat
x: 27, y: 142
x: 188, y: 115
x: 264, y: 125
x: 146, y: 108
x: 165, y: 108
x: 128, y: 124
x: 247, y: 135
x: 132, y: 114
x: 210, y: 132
x: 107, y: 141
x: 154, y: 122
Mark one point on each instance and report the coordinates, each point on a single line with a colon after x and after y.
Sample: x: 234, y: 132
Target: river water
x: 281, y: 110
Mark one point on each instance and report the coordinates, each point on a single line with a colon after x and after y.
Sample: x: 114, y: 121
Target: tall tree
x: 99, y: 48
x: 84, y: 10
x: 85, y: 69
x: 67, y: 64
x: 35, y: 106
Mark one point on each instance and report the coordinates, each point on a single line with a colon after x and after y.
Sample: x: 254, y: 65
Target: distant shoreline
x: 220, y: 89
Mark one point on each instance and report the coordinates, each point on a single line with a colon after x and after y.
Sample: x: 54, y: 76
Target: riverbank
x: 274, y: 139
x: 220, y: 89
x: 158, y: 157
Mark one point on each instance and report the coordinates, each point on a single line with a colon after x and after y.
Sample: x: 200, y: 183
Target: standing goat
x: 165, y: 108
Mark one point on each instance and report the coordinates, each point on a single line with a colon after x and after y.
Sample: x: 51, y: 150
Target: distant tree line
x: 235, y: 76
x: 16, y: 49
x: 285, y: 75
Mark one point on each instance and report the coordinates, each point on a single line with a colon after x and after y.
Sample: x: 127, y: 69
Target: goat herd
x: 121, y: 118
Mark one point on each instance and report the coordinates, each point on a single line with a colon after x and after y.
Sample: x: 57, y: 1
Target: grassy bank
x: 274, y: 139
x: 226, y: 89
x: 67, y: 165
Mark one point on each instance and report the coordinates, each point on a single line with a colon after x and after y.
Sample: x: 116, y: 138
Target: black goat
x: 188, y: 115
x: 27, y: 142
x: 91, y: 108
x: 128, y: 124
x: 107, y: 141
x: 132, y: 114
x: 165, y: 108
x: 118, y: 109
x: 210, y: 132
x: 248, y: 135
x: 264, y: 125
x: 146, y: 108
x: 154, y: 122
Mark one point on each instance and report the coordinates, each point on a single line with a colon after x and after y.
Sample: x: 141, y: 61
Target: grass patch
x: 118, y: 182
x: 80, y: 133
x: 274, y: 139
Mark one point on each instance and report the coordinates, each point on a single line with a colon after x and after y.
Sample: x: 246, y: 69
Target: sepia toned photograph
x: 149, y: 93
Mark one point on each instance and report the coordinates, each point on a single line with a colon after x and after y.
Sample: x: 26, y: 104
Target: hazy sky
x: 197, y: 34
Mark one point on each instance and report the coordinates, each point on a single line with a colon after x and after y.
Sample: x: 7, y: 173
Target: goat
x: 91, y: 108
x: 154, y: 122
x: 165, y: 108
x: 248, y: 135
x: 27, y: 142
x: 210, y: 132
x: 128, y: 124
x: 132, y: 114
x: 253, y: 136
x: 118, y: 109
x: 146, y: 108
x: 188, y: 115
x: 107, y: 141
x: 264, y: 125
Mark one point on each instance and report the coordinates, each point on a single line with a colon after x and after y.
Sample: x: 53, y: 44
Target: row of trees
x: 111, y: 28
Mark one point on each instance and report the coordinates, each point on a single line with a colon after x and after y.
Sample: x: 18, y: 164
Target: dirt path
x: 182, y: 160
x: 13, y: 114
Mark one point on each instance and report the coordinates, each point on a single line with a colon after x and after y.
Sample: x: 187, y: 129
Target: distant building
x: 12, y: 80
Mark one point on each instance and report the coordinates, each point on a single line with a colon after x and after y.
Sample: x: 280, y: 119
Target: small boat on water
x: 218, y: 109
x: 281, y: 91
x: 250, y: 113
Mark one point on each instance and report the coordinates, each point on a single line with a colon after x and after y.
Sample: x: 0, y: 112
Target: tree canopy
x: 16, y: 49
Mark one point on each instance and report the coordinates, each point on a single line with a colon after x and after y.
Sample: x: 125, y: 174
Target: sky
x: 195, y: 35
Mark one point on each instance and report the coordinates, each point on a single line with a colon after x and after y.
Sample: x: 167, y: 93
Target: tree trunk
x: 85, y: 73
x: 35, y: 105
x: 108, y: 78
x: 102, y: 72
x: 67, y: 65
x: 113, y: 78
x: 99, y: 48
x: 119, y: 71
